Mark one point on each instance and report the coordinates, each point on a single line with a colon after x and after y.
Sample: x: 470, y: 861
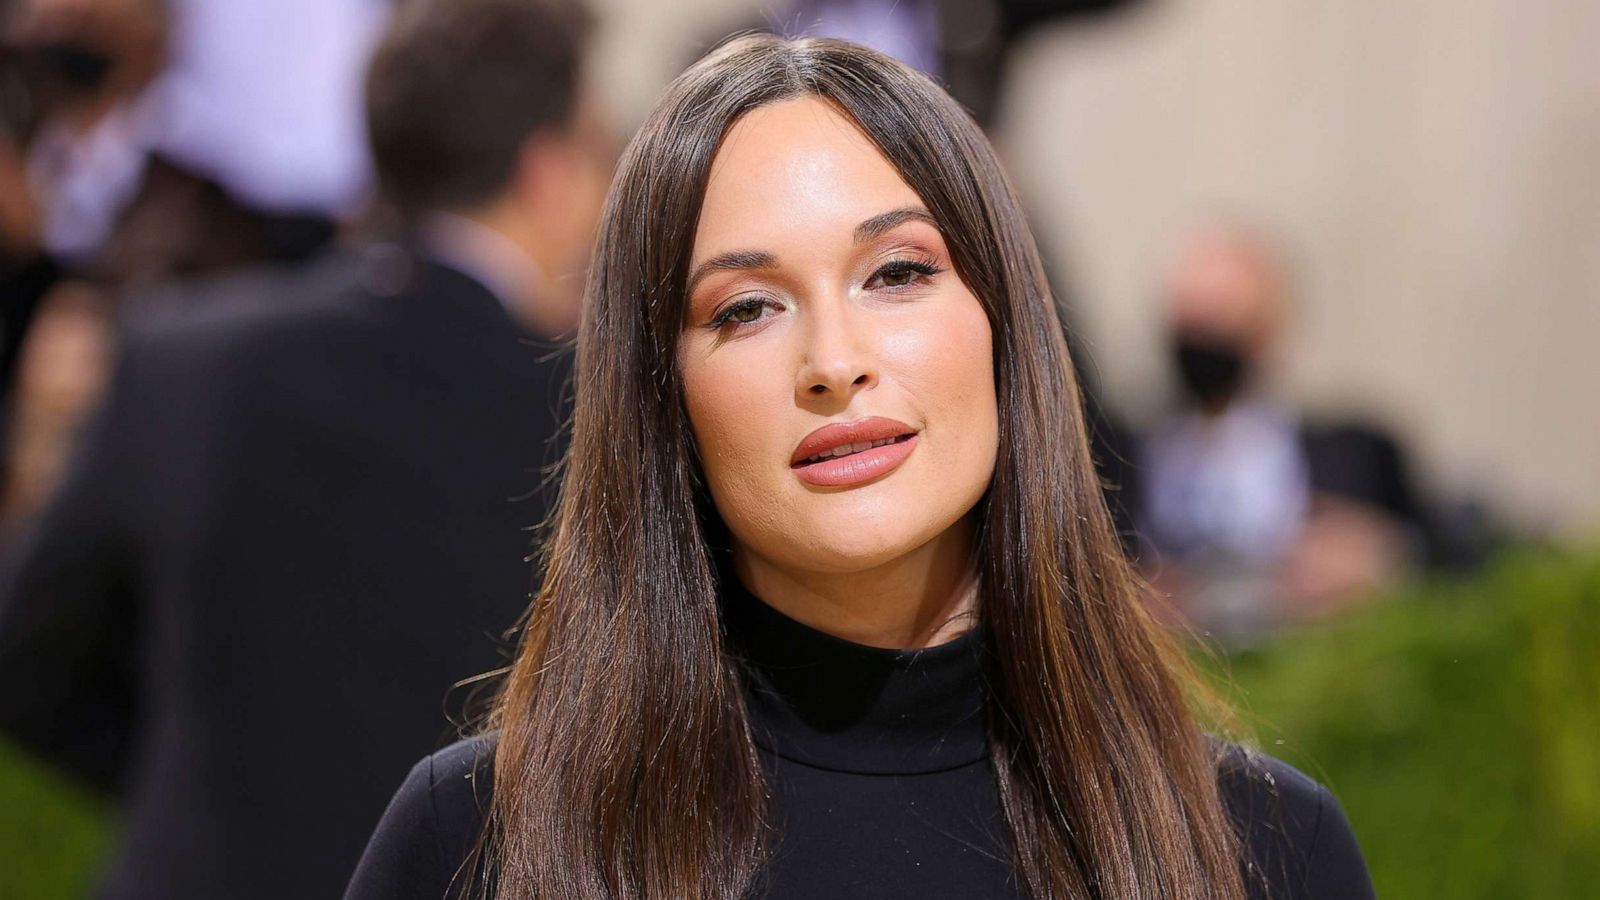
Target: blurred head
x: 1226, y: 295
x: 76, y: 58
x: 480, y: 107
x: 802, y: 233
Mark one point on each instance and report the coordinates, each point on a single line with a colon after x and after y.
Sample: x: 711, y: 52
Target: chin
x: 825, y: 544
x: 840, y: 557
x: 839, y: 533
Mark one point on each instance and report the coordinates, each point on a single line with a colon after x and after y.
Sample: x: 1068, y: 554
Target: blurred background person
x: 303, y: 511
x: 79, y: 109
x: 1257, y: 514
x: 143, y: 140
x: 72, y: 73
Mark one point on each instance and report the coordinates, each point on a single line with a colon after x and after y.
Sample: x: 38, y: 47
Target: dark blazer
x: 292, y: 527
x: 1347, y: 459
x: 1360, y: 462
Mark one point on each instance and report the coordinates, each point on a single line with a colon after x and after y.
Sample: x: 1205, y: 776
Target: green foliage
x: 1458, y: 723
x: 52, y: 833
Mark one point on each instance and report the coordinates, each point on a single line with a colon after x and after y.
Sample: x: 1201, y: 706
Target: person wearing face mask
x: 72, y: 76
x: 140, y: 144
x: 76, y: 74
x: 1256, y: 514
x: 832, y: 605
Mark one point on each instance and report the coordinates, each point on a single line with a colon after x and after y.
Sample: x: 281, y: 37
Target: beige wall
x: 1436, y: 167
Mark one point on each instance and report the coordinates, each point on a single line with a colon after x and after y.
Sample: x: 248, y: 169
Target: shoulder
x: 427, y: 835
x: 240, y: 291
x: 254, y: 305
x: 1296, y: 837
x: 190, y: 351
x: 1349, y: 433
x: 461, y: 782
x: 1255, y: 786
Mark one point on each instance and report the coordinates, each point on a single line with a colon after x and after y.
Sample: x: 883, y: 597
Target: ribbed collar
x: 834, y: 704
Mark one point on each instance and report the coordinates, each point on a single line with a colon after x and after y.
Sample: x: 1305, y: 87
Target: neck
x: 494, y: 245
x: 922, y: 599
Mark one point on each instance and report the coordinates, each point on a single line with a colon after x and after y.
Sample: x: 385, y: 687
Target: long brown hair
x: 625, y: 766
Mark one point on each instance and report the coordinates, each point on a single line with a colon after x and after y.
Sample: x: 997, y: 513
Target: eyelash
x: 922, y: 267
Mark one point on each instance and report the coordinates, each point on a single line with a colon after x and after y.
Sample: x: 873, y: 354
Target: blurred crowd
x: 269, y: 277
x: 143, y: 141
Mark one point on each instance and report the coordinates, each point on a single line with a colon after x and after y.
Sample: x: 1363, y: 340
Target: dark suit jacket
x: 1360, y: 462
x: 1345, y: 459
x: 292, y: 527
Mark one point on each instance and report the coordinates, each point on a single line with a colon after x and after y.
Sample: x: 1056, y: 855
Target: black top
x: 882, y: 786
x: 294, y: 525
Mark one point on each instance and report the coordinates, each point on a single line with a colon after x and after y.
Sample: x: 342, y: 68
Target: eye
x: 744, y: 311
x: 903, y: 273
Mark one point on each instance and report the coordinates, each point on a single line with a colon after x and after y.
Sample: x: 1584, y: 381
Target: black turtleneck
x: 879, y: 770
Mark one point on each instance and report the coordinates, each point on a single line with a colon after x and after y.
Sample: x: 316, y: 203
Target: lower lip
x: 857, y: 468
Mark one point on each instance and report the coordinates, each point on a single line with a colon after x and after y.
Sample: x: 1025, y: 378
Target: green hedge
x: 1459, y: 724
x: 53, y: 834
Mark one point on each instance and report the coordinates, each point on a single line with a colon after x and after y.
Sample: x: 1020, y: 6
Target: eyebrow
x: 883, y: 222
x: 737, y: 260
x: 734, y: 260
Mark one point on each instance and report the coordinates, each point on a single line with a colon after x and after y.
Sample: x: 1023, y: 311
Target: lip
x: 856, y: 468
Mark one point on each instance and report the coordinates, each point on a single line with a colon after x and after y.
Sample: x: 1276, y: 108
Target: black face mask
x: 1212, y: 371
x: 79, y: 67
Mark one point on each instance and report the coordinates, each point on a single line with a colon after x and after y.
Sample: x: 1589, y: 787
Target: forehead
x: 791, y: 171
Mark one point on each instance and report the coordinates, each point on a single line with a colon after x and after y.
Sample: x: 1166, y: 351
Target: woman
x: 832, y: 606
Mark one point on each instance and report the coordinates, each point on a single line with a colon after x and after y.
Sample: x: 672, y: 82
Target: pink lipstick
x: 845, y: 454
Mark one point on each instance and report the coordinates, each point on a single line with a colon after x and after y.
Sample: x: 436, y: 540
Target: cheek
x: 948, y: 363
x: 712, y: 404
x: 725, y: 398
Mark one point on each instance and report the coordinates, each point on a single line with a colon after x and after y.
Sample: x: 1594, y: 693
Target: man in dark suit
x: 303, y: 512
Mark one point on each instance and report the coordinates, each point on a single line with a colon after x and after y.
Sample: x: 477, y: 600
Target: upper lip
x: 828, y: 437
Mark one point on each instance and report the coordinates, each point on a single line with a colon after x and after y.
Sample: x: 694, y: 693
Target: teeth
x: 847, y: 449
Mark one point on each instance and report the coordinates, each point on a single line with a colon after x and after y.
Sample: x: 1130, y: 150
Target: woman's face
x: 824, y: 318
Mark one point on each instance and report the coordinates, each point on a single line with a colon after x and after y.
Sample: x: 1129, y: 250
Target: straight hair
x: 625, y: 766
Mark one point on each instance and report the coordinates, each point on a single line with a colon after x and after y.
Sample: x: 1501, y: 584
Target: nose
x: 836, y: 359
